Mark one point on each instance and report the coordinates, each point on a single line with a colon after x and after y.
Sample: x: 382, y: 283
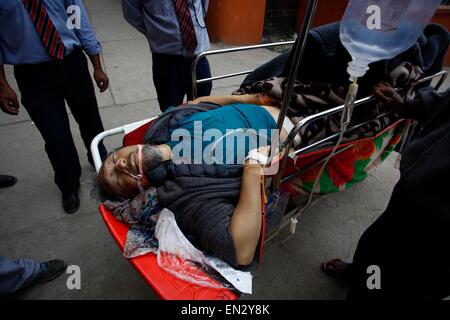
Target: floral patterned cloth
x: 346, y: 168
x: 141, y: 215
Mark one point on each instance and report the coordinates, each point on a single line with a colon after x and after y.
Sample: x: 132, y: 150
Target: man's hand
x: 386, y: 94
x: 101, y: 79
x: 260, y: 99
x: 265, y: 99
x: 8, y: 100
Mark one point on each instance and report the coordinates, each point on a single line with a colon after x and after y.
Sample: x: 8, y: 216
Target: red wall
x: 236, y: 22
x: 327, y: 11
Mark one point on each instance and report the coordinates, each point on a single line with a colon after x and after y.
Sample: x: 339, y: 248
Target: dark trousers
x: 45, y: 87
x: 173, y: 79
x: 410, y: 250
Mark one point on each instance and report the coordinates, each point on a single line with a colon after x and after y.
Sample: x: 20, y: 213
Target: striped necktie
x: 45, y: 28
x: 186, y: 26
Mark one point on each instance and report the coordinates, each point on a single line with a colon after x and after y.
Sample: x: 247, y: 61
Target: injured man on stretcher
x: 205, y: 160
x: 197, y: 156
x: 212, y: 185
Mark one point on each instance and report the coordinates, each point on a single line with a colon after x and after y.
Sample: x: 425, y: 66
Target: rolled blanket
x: 311, y: 97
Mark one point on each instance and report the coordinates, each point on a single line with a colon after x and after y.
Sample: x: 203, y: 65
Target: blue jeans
x: 16, y: 275
x: 173, y: 80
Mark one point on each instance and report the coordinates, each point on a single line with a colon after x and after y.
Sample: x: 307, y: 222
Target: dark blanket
x: 203, y: 198
x: 323, y: 80
x: 312, y: 98
x: 325, y: 59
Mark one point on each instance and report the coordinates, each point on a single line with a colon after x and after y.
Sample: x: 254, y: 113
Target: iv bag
x: 373, y: 30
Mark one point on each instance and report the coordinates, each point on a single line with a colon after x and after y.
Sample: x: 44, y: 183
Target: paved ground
x: 33, y: 224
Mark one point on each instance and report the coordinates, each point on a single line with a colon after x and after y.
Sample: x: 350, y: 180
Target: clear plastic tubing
x: 373, y: 30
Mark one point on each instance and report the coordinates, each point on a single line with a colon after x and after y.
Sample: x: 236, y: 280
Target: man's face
x: 115, y: 176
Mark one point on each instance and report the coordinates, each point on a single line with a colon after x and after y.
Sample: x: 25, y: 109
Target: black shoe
x: 50, y: 270
x: 71, y: 202
x: 7, y: 181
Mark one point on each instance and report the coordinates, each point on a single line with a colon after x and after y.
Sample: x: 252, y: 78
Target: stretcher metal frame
x: 298, y: 50
x: 286, y: 148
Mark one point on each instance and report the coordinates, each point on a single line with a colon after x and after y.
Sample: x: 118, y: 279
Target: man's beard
x: 151, y: 156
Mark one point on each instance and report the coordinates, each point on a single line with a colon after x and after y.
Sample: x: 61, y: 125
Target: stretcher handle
x: 112, y: 132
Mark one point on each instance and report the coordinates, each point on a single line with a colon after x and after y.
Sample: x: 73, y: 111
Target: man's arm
x: 90, y: 45
x: 421, y: 108
x: 100, y: 76
x: 246, y: 219
x: 425, y: 104
x: 132, y: 12
x: 261, y: 99
x: 221, y: 227
x: 8, y: 98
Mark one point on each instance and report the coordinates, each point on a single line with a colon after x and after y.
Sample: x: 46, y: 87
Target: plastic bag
x: 180, y: 258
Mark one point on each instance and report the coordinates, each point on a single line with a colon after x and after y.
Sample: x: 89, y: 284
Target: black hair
x: 100, y: 193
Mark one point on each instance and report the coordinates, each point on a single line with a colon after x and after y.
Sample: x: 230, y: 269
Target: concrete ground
x: 33, y: 224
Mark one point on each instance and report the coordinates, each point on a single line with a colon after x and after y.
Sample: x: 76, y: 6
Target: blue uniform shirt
x: 21, y: 44
x: 157, y: 20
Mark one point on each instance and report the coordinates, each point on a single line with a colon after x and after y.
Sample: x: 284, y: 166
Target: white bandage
x: 257, y: 156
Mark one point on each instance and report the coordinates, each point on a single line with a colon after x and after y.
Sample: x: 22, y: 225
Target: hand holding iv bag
x: 373, y: 30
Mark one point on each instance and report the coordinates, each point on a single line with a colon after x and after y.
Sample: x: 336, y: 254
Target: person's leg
x: 371, y: 250
x: 80, y: 95
x: 411, y: 264
x: 20, y: 274
x: 42, y: 97
x: 203, y: 72
x: 168, y: 79
x: 403, y: 253
x: 16, y: 275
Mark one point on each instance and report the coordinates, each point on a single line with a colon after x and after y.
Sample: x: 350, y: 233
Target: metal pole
x: 230, y: 75
x: 299, y: 49
x: 228, y: 50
